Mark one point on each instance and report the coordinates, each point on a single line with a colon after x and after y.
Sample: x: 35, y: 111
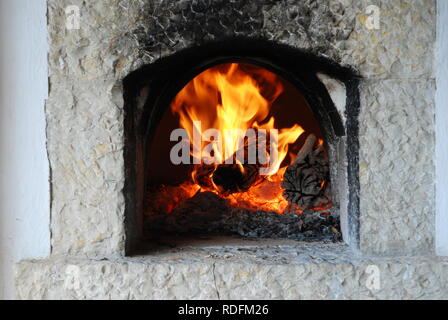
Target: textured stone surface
x: 85, y: 145
x: 117, y: 36
x: 84, y: 112
x: 397, y: 166
x: 267, y: 272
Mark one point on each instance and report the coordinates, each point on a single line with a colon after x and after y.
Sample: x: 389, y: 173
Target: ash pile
x: 308, y: 217
x: 208, y: 214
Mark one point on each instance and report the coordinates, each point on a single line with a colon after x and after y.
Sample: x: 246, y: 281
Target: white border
x: 441, y: 66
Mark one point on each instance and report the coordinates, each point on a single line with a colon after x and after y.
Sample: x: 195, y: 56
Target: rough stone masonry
x: 85, y: 146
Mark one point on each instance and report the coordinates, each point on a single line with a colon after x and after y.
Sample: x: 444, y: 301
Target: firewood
x: 229, y: 178
x: 306, y: 181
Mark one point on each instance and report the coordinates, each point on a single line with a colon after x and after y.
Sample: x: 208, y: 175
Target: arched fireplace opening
x: 207, y: 190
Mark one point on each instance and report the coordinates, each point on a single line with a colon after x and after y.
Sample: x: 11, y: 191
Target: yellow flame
x: 226, y: 97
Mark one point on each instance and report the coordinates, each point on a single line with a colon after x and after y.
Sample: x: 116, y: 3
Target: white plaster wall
x: 24, y: 169
x: 442, y: 129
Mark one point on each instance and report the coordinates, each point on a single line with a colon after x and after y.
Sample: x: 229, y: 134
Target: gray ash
x: 208, y: 214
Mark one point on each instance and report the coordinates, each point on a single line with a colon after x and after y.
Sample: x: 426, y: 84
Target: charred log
x: 307, y: 180
x: 230, y: 178
x: 226, y: 178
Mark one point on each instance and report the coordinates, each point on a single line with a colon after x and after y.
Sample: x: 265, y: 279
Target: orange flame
x: 229, y: 99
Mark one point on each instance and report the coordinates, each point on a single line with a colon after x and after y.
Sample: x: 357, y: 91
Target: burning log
x: 229, y: 178
x: 231, y: 98
x: 262, y: 199
x: 235, y: 178
x: 306, y: 181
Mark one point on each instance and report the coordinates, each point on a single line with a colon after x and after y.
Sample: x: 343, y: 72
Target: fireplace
x: 355, y: 102
x: 223, y: 182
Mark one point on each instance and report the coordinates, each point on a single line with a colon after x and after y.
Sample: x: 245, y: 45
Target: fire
x: 233, y: 99
x: 230, y: 99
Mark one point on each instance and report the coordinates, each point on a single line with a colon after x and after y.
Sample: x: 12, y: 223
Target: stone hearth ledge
x: 252, y: 271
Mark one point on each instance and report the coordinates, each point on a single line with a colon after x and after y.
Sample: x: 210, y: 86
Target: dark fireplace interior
x: 211, y: 188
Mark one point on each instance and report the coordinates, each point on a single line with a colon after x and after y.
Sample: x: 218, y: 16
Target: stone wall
x: 312, y: 272
x: 397, y: 166
x: 85, y: 107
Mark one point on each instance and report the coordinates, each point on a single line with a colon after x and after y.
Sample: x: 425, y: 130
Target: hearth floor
x: 235, y: 269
